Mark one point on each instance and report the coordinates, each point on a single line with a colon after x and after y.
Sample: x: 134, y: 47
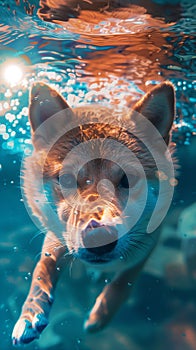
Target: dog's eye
x: 128, y: 181
x: 124, y: 182
x: 67, y: 181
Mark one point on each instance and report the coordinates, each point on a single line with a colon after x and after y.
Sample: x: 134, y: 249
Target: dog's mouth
x: 99, y: 241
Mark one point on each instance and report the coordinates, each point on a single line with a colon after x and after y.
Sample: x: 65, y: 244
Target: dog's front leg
x: 111, y: 298
x: 35, y: 311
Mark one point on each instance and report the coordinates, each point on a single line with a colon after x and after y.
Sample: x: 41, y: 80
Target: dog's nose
x: 93, y: 224
x: 99, y: 239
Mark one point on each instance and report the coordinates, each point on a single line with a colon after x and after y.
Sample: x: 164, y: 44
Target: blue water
x: 100, y: 57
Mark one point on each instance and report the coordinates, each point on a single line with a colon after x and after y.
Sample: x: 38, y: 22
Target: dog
x: 100, y: 182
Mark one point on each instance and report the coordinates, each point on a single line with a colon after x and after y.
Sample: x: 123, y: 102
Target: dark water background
x: 99, y: 56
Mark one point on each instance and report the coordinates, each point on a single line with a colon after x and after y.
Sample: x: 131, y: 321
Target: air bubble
x: 173, y: 182
x: 107, y: 280
x: 47, y: 254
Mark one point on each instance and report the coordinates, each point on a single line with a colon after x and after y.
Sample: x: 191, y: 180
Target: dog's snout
x: 102, y: 249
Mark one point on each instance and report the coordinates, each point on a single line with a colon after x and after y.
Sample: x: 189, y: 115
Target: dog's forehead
x: 82, y: 146
x: 100, y: 167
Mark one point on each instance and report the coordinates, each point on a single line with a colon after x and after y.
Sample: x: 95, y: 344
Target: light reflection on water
x: 99, y: 56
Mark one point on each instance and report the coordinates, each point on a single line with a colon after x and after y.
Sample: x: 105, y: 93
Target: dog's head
x: 103, y: 170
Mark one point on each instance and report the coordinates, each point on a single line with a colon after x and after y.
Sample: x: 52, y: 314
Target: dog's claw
x: 24, y: 331
x: 91, y: 327
x: 40, y: 322
x: 95, y: 322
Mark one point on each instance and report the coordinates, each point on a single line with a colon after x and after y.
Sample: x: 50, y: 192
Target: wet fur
x: 132, y: 249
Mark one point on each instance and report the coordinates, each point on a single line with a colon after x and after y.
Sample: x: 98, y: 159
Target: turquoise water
x: 103, y: 57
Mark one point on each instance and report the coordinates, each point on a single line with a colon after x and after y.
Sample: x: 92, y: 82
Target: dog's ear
x: 44, y: 103
x: 158, y: 106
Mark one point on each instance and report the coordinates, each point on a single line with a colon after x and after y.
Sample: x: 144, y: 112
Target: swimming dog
x: 99, y: 181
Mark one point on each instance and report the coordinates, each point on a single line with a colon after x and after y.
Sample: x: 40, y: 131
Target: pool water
x: 106, y: 56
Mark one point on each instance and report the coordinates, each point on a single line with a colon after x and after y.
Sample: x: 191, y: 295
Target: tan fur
x: 76, y: 185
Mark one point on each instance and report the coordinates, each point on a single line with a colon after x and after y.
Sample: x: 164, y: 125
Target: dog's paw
x: 98, y: 317
x: 96, y: 321
x: 25, y: 331
x: 93, y: 324
x: 106, y: 305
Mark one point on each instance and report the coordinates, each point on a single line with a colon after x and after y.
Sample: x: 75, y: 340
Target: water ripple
x: 99, y: 56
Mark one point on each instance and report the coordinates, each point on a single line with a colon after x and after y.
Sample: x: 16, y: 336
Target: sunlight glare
x: 13, y: 74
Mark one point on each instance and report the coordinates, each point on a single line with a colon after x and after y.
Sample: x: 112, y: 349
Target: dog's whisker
x: 68, y: 253
x: 40, y: 233
x: 71, y: 265
x: 38, y: 255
